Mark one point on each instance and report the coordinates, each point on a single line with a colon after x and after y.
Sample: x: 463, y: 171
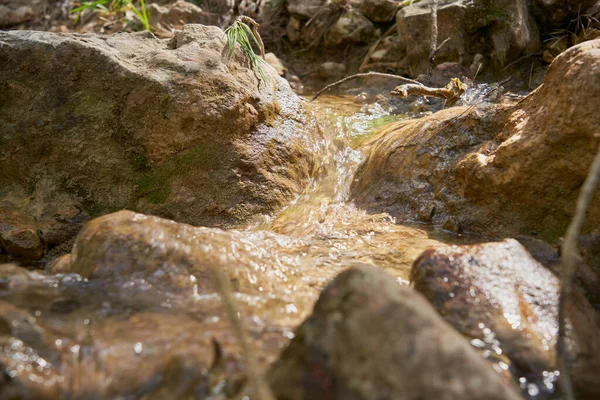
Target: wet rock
x: 507, y: 302
x: 19, y: 235
x: 304, y: 8
x: 351, y: 28
x: 496, y: 169
x: 499, y: 29
x: 15, y: 12
x: 179, y: 13
x: 130, y: 121
x: 332, y: 70
x: 379, y: 10
x: 60, y: 265
x: 370, y: 338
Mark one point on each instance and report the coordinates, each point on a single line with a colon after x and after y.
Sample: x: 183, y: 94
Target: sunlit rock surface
x: 506, y: 302
x: 370, y: 338
x: 92, y: 124
x: 494, y: 169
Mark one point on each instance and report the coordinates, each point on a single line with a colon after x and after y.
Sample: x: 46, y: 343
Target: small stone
x: 332, y: 70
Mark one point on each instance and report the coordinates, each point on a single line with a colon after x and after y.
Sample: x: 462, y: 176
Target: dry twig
x: 365, y: 64
x: 365, y: 75
x: 434, y: 36
x: 452, y: 91
x: 570, y: 257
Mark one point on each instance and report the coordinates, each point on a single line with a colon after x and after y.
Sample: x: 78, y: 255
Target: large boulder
x: 90, y: 124
x: 499, y: 296
x: 351, y: 28
x: 501, y: 30
x: 370, y: 338
x: 494, y: 169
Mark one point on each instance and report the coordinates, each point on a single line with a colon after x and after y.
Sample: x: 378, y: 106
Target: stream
x: 139, y: 335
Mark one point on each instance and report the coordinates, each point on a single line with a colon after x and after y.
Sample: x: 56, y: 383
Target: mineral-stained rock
x: 507, y: 302
x: 494, y: 169
x: 92, y: 124
x: 370, y: 338
x: 500, y: 29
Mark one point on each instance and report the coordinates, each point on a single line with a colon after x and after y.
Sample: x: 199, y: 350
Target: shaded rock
x: 304, y: 8
x: 60, y: 265
x: 332, y: 70
x: 557, y: 14
x: 379, y: 10
x: 14, y: 12
x: 351, y: 28
x: 443, y: 73
x: 130, y: 121
x: 370, y: 338
x: 496, y: 169
x: 179, y: 13
x: 292, y: 30
x: 19, y: 235
x: 499, y: 29
x: 498, y: 295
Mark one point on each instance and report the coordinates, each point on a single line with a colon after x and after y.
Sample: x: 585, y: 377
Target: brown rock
x: 19, y: 236
x: 370, y: 338
x: 498, y: 295
x: 496, y: 169
x: 129, y: 121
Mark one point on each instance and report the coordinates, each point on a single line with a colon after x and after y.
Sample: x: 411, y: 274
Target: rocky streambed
x: 367, y: 262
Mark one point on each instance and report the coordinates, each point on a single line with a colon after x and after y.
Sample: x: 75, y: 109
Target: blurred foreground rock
x: 370, y: 338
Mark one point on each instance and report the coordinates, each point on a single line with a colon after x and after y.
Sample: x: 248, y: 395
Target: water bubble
x: 138, y: 348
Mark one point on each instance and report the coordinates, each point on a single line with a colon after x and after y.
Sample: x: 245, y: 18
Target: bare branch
x: 570, y: 257
x: 255, y: 25
x: 434, y: 36
x: 365, y: 75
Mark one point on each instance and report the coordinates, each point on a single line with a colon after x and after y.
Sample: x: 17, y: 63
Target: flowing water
x: 140, y: 335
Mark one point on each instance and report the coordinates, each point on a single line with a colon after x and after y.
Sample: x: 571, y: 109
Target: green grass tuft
x: 141, y: 12
x: 239, y: 34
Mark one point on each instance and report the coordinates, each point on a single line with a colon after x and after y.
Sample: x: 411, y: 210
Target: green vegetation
x: 239, y: 33
x: 114, y: 6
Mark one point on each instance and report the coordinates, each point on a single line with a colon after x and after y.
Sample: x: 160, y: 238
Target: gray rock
x: 304, y: 8
x: 351, y: 28
x: 370, y: 338
x: 14, y: 12
x: 332, y: 70
x: 499, y: 29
